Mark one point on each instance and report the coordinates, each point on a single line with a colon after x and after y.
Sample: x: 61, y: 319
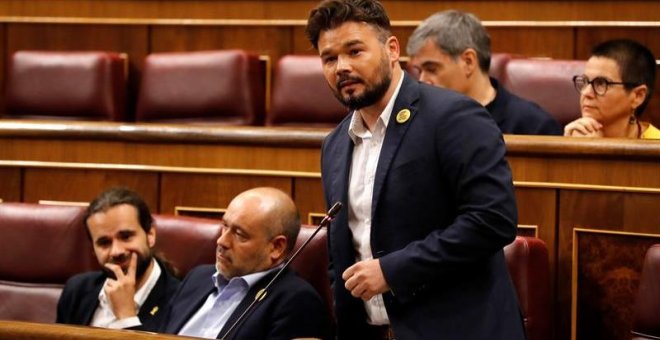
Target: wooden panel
x: 548, y: 42
x: 211, y: 191
x: 585, y: 170
x: 298, y: 9
x: 84, y: 185
x: 308, y: 194
x: 622, y: 211
x: 20, y: 330
x: 10, y: 184
x: 3, y: 62
x: 608, y: 267
x: 199, y: 155
x: 129, y: 39
x: 274, y: 41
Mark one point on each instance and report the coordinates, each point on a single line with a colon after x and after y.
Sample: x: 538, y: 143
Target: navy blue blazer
x: 443, y: 208
x: 518, y: 116
x: 291, y: 308
x: 80, y: 298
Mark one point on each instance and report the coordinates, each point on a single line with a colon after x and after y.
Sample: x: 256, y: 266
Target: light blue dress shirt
x: 220, y: 305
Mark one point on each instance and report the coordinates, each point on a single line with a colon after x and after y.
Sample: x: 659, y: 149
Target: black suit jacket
x: 291, y: 308
x: 443, y: 208
x: 80, y: 298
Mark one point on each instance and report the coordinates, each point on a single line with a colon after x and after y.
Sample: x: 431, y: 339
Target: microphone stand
x: 261, y: 294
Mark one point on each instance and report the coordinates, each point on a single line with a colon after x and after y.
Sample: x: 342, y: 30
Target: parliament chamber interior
x: 191, y: 102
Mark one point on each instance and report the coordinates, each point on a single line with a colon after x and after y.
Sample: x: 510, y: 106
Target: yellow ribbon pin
x: 403, y: 116
x: 154, y: 310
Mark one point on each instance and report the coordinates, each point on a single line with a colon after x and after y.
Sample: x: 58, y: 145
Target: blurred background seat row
x: 229, y: 87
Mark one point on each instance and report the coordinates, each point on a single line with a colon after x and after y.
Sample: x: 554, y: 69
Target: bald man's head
x: 275, y: 210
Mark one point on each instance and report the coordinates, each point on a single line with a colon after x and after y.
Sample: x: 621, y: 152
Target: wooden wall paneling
x: 596, y: 209
x: 129, y: 39
x: 274, y: 41
x: 3, y: 66
x: 211, y: 190
x: 589, y: 37
x: 606, y: 271
x: 545, y: 42
x: 586, y: 170
x: 10, y: 184
x: 299, y: 9
x: 308, y: 194
x: 300, y: 44
x: 80, y: 185
x: 165, y: 154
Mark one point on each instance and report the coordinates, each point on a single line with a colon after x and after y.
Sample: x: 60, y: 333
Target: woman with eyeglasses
x: 615, y: 88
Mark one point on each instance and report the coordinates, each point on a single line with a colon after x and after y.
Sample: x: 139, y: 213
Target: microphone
x: 261, y: 294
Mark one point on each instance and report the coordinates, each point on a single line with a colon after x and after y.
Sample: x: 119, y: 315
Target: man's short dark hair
x: 330, y: 14
x: 118, y: 196
x: 636, y: 65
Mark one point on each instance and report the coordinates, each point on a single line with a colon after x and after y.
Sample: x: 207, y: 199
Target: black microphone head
x: 335, y: 209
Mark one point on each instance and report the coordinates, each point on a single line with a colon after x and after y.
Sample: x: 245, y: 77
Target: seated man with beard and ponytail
x: 133, y: 288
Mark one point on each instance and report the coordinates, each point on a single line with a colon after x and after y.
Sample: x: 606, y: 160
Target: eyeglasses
x: 599, y: 84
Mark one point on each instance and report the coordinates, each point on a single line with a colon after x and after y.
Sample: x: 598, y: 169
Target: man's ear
x: 393, y: 48
x: 278, y: 248
x: 151, y: 236
x: 637, y: 96
x: 470, y: 61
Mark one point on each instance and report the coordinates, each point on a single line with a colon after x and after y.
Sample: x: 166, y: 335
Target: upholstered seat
x: 548, y: 83
x: 223, y: 87
x: 646, y: 324
x: 42, y: 247
x: 186, y: 242
x: 301, y: 95
x: 312, y: 263
x: 527, y: 261
x: 66, y: 85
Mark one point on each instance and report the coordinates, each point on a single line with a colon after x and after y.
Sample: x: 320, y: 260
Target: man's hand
x: 121, y: 291
x: 584, y: 127
x: 365, y: 279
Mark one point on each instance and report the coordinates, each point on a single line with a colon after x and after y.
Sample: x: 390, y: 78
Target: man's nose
x: 343, y: 64
x: 223, y: 239
x: 117, y: 250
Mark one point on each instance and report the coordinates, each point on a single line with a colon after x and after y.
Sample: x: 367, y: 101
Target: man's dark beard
x: 372, y: 94
x: 140, y: 269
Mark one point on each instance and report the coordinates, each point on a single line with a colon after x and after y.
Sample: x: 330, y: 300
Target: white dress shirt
x: 361, y: 189
x: 104, y: 317
x: 209, y: 320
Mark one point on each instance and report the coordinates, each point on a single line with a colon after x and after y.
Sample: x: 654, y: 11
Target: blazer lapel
x: 202, y: 292
x: 340, y: 155
x: 90, y: 302
x: 245, y: 303
x: 150, y: 306
x: 407, y: 96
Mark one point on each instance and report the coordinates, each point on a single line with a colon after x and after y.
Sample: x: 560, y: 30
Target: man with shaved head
x: 258, y: 232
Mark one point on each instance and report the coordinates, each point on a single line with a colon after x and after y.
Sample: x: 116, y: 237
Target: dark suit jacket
x: 443, y: 208
x: 518, y: 116
x: 80, y: 298
x: 291, y: 308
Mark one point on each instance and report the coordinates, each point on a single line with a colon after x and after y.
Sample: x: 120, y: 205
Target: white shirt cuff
x: 133, y: 321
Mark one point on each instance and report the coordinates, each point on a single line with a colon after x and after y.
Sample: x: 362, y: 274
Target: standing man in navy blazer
x: 259, y: 231
x: 417, y: 254
x: 133, y: 289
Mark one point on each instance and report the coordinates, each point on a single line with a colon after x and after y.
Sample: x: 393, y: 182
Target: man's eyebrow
x: 347, y: 44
